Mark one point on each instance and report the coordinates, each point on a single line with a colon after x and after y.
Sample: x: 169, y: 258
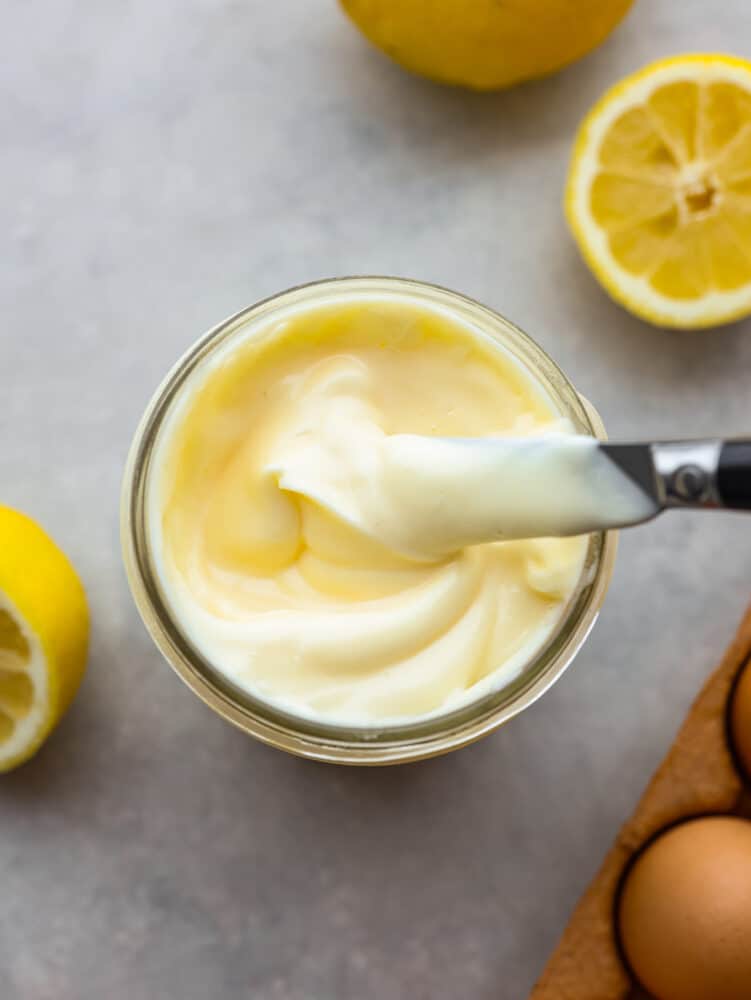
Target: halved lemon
x: 659, y: 191
x: 44, y: 631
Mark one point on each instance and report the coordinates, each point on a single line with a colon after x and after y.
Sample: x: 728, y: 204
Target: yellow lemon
x: 659, y: 191
x: 485, y: 44
x: 44, y: 633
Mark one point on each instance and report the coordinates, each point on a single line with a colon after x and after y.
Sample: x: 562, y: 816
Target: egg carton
x: 706, y: 772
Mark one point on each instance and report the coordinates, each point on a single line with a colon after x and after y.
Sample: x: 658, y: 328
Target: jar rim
x: 323, y: 740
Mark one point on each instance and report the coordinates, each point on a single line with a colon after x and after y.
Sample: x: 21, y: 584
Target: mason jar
x: 322, y: 740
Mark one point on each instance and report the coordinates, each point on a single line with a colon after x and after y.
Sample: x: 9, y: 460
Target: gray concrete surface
x: 162, y: 165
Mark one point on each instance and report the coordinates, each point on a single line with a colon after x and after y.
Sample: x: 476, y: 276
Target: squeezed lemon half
x: 44, y: 631
x: 659, y: 191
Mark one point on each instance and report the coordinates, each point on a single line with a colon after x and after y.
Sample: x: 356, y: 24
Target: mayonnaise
x: 309, y: 522
x: 431, y: 496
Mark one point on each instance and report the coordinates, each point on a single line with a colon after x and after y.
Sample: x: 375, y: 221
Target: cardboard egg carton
x: 699, y: 775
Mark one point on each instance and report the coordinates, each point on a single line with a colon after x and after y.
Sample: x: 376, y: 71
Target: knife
x: 430, y: 496
x: 693, y: 474
x: 454, y: 492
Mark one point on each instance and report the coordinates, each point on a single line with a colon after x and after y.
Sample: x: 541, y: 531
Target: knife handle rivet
x: 690, y: 483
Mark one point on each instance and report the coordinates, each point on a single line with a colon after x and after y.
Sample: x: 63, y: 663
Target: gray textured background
x: 163, y: 164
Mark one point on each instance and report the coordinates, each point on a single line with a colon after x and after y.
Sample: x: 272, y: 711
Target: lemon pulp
x: 44, y: 629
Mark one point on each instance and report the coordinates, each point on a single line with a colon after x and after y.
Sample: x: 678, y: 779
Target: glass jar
x: 322, y: 740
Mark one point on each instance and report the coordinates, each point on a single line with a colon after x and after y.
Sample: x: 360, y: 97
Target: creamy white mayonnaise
x: 430, y: 496
x: 316, y: 503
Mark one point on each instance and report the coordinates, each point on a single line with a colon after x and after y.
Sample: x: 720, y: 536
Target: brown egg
x: 685, y: 912
x: 741, y: 720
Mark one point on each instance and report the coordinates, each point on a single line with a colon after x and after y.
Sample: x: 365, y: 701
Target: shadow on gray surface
x: 464, y: 123
x: 627, y: 340
x: 53, y: 773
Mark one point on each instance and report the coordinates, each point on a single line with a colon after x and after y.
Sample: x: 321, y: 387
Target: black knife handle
x: 734, y: 475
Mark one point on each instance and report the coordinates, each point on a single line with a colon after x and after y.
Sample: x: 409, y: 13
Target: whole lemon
x: 485, y: 44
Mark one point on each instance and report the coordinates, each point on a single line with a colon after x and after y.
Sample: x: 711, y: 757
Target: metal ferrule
x: 686, y: 473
